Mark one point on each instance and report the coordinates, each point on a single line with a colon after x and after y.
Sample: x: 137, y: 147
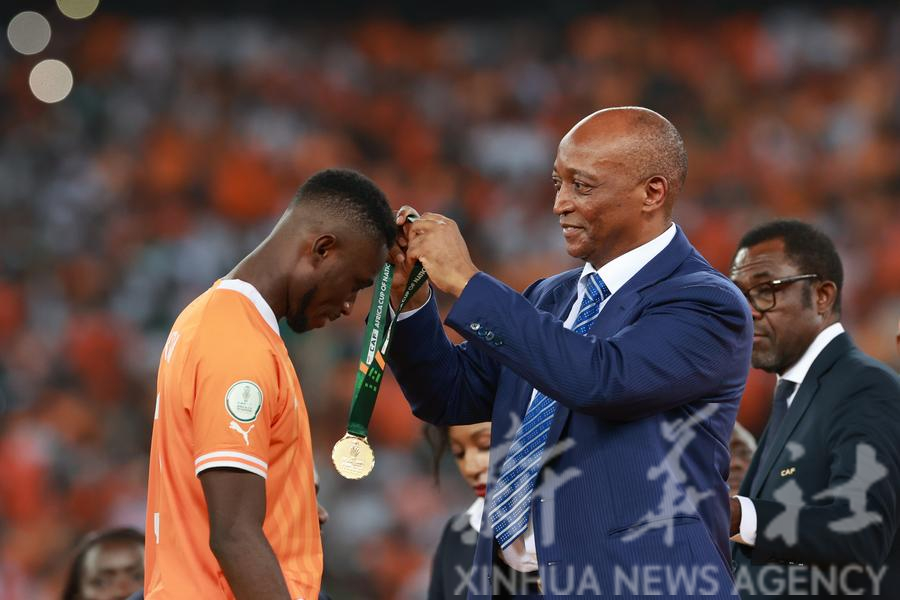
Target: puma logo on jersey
x: 235, y: 427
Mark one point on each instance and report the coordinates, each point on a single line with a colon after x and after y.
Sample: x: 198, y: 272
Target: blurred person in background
x: 470, y: 446
x: 604, y: 367
x: 742, y: 446
x: 822, y: 494
x: 232, y: 504
x: 108, y: 565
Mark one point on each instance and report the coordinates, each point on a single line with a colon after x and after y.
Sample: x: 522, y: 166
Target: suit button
x: 474, y: 326
x: 498, y: 342
x: 489, y: 335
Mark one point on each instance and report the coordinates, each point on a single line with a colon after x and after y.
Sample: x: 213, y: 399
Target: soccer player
x: 231, y: 503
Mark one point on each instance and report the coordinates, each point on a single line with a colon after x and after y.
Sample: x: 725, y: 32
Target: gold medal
x: 353, y: 457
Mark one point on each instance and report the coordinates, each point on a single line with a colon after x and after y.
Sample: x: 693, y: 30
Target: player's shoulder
x: 230, y: 310
x: 222, y: 319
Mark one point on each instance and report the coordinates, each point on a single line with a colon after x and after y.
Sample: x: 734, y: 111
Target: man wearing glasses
x: 818, y: 509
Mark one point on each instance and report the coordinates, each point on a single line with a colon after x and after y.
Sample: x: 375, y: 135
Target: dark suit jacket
x: 454, y: 553
x: 847, y: 403
x: 452, y: 563
x: 647, y: 401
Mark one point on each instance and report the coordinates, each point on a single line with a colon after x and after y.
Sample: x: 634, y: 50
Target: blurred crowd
x: 183, y: 139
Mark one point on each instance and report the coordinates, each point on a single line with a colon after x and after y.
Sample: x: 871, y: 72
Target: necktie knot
x: 783, y: 391
x: 596, y: 288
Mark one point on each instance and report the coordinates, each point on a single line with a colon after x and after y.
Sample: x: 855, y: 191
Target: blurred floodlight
x: 77, y: 9
x: 50, y: 80
x: 28, y: 32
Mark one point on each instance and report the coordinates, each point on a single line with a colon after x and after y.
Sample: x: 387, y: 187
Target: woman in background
x: 470, y: 446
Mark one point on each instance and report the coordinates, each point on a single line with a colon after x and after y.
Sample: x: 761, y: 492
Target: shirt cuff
x: 747, y: 532
x: 408, y: 313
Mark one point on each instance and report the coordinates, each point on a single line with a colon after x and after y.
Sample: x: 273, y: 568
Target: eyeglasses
x: 762, y: 295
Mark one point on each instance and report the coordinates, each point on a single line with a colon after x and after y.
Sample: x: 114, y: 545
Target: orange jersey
x: 228, y: 396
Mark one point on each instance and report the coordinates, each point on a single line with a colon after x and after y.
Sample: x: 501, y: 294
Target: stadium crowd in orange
x: 183, y: 140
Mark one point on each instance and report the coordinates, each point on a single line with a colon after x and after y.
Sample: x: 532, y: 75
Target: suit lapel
x: 801, y: 403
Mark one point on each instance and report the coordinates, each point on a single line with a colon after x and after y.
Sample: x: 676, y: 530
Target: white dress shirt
x: 474, y: 513
x: 521, y: 555
x: 797, y: 373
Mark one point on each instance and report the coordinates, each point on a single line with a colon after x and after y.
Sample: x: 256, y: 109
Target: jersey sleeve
x: 235, y: 400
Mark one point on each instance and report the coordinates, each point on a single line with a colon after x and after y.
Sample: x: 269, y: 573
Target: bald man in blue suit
x: 612, y: 388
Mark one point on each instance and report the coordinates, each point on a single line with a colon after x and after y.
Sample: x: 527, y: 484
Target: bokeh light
x: 28, y: 32
x: 77, y: 9
x: 50, y: 80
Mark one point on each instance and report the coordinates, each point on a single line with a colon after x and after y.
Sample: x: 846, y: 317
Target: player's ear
x: 322, y: 246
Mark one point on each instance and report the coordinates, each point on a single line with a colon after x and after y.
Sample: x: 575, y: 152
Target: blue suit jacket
x: 632, y: 497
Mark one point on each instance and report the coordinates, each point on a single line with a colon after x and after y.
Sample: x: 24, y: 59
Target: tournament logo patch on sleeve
x: 243, y: 401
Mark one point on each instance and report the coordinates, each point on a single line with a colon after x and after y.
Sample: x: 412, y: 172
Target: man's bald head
x: 645, y: 141
x: 617, y: 174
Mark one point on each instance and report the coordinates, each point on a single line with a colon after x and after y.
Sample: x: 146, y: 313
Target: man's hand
x: 436, y: 241
x: 402, y: 267
x: 735, y: 516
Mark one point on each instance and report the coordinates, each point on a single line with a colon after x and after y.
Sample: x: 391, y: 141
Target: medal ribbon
x: 375, y: 345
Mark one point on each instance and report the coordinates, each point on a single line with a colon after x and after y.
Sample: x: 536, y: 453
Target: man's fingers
x: 435, y: 218
x: 415, y: 251
x: 404, y: 212
x: 420, y: 226
x: 414, y: 247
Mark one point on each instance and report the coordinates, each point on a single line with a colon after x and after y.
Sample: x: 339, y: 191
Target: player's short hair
x: 72, y: 589
x: 353, y: 197
x: 808, y: 248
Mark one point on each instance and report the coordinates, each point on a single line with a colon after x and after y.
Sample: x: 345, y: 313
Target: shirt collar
x: 474, y: 513
x: 616, y: 273
x: 255, y: 297
x: 798, y: 371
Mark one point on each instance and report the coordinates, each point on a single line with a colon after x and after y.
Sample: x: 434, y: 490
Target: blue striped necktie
x: 511, y: 500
